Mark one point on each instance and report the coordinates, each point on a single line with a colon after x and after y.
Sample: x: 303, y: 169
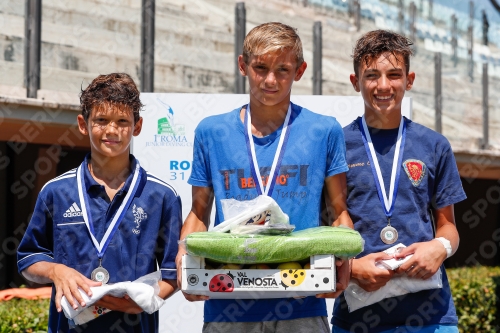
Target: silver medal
x: 389, y: 235
x: 100, y: 274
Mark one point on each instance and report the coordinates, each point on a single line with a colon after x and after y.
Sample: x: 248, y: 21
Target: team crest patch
x: 415, y: 170
x: 139, y: 216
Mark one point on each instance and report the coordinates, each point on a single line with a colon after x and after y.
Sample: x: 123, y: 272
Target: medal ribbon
x: 117, y: 218
x: 278, y: 157
x: 387, y: 202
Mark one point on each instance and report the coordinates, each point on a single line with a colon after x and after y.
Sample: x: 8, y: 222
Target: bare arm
x: 336, y: 187
x: 198, y: 219
x: 429, y: 256
x: 445, y: 226
x: 66, y: 280
x: 199, y: 216
x: 39, y: 272
x: 167, y: 288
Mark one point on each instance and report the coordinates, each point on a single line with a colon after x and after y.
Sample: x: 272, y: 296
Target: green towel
x: 248, y: 249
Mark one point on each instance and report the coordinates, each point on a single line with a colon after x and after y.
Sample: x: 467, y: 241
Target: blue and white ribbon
x: 278, y: 156
x: 387, y: 202
x: 117, y: 218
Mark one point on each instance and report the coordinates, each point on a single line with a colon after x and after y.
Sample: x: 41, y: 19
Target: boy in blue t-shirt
x: 105, y: 222
x: 234, y: 155
x: 402, y: 179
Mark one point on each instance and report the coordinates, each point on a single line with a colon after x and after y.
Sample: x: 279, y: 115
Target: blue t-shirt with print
x: 429, y: 179
x: 315, y: 150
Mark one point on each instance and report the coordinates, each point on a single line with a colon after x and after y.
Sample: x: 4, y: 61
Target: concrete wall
x: 194, y: 53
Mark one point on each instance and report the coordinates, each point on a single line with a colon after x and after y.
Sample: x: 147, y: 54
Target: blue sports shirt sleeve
x: 36, y: 244
x: 336, y: 162
x: 448, y: 188
x: 200, y: 173
x: 168, y: 237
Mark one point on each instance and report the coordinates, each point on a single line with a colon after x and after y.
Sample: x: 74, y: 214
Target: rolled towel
x: 248, y: 249
x: 143, y: 291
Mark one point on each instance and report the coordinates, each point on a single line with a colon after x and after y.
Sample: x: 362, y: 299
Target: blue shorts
x: 410, y: 329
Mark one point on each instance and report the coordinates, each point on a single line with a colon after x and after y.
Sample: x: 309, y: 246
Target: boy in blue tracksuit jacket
x: 106, y: 221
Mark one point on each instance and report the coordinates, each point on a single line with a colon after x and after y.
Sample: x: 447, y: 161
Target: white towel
x: 255, y: 211
x: 356, y: 297
x: 143, y: 291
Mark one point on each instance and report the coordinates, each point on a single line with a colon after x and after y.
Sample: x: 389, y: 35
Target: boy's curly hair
x: 374, y: 43
x: 113, y: 89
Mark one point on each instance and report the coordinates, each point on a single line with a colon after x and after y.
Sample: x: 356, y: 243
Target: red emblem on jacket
x: 415, y: 170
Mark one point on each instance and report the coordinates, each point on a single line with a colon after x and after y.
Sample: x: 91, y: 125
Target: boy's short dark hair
x: 374, y: 43
x: 114, y: 89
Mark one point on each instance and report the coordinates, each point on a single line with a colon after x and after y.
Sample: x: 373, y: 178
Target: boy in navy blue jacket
x: 106, y: 221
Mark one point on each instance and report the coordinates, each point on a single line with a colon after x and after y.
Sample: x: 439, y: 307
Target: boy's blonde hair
x: 271, y: 37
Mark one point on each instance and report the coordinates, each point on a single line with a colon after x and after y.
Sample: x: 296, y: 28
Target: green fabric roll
x: 248, y: 249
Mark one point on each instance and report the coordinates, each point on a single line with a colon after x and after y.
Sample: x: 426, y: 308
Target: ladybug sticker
x: 99, y: 311
x: 222, y: 283
x: 292, y: 277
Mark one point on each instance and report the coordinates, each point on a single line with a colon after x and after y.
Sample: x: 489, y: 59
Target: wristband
x: 447, y: 245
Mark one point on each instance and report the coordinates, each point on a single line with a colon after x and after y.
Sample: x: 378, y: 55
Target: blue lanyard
x: 119, y: 214
x: 278, y: 157
x: 388, y: 203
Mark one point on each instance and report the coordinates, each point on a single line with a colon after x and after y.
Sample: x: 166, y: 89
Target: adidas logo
x: 73, y: 211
